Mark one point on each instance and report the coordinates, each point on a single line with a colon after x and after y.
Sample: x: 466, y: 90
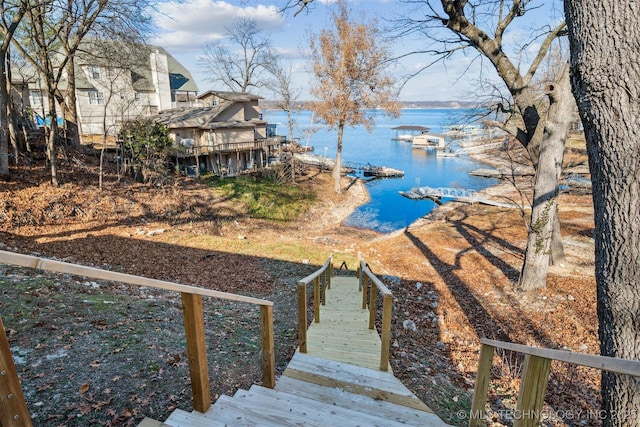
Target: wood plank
x: 339, y: 397
x: 355, y: 379
x: 13, y: 407
x: 197, y: 351
x: 150, y: 422
x: 180, y: 418
x: 611, y: 364
x: 96, y: 273
x: 408, y: 401
x: 481, y: 387
x: 235, y: 412
x: 268, y: 353
x: 339, y: 415
x: 533, y: 387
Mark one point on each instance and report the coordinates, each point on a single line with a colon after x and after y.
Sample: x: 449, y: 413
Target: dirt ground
x: 93, y: 353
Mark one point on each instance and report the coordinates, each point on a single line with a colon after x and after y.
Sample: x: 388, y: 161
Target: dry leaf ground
x: 98, y: 353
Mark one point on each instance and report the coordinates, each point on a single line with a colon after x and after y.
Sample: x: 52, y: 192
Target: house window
x: 122, y: 96
x: 96, y: 98
x: 36, y: 98
x: 95, y: 71
x: 137, y: 96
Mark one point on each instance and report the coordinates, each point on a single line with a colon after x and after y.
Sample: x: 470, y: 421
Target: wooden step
x: 238, y: 412
x: 326, y: 413
x: 180, y: 418
x: 375, y: 384
x: 150, y: 422
x: 340, y: 397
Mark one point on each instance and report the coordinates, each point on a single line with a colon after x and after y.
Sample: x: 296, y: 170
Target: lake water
x: 387, y: 210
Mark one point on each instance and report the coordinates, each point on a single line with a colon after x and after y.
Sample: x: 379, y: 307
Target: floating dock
x: 350, y: 167
x: 457, y: 194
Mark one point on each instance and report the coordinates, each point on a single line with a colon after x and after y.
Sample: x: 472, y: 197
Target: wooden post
x: 483, y: 378
x: 323, y: 289
x: 535, y: 376
x: 372, y: 305
x: 365, y: 289
x: 197, y: 351
x: 359, y: 276
x: 268, y: 354
x: 13, y: 407
x: 316, y: 300
x: 387, y: 311
x: 302, y: 316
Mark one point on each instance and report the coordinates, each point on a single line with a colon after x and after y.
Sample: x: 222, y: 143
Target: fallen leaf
x: 84, y: 388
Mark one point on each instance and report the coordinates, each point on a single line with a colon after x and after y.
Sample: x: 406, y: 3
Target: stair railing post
x: 365, y: 289
x: 302, y: 316
x: 268, y: 353
x: 197, y: 351
x: 13, y: 407
x: 316, y: 300
x: 481, y: 387
x: 387, y: 311
x: 372, y: 305
x: 533, y: 387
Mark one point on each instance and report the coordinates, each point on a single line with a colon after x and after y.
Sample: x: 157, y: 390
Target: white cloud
x: 188, y: 26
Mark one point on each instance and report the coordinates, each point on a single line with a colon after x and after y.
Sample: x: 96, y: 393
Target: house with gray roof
x: 227, y: 135
x: 115, y: 82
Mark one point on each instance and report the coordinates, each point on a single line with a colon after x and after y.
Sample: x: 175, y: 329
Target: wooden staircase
x: 348, y: 396
x: 337, y: 382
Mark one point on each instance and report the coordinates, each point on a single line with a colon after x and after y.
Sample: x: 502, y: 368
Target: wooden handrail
x: 323, y: 274
x: 535, y: 375
x: 193, y: 318
x: 605, y: 363
x: 96, y: 273
x: 367, y: 278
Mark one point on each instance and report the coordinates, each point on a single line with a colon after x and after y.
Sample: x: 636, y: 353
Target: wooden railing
x: 370, y: 286
x: 193, y: 322
x: 535, y: 376
x: 321, y: 282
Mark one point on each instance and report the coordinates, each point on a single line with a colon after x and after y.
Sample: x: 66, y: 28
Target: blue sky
x: 185, y: 27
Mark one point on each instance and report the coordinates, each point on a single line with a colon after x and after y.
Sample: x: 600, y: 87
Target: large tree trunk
x: 545, y: 193
x: 604, y: 38
x: 337, y: 169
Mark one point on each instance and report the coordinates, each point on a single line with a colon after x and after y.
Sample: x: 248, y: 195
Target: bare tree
x: 51, y: 37
x: 606, y: 86
x: 286, y: 95
x: 349, y: 68
x: 242, y: 60
x: 469, y: 26
x: 125, y: 21
x: 12, y: 14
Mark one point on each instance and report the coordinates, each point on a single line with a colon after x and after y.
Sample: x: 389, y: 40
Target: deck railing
x: 535, y: 376
x: 321, y: 282
x: 370, y: 286
x: 193, y: 322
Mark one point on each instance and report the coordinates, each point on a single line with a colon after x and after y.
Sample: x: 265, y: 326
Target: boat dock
x: 457, y: 194
x: 367, y: 169
x: 407, y: 132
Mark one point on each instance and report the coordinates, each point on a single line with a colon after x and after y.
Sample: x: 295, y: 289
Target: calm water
x: 388, y: 211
